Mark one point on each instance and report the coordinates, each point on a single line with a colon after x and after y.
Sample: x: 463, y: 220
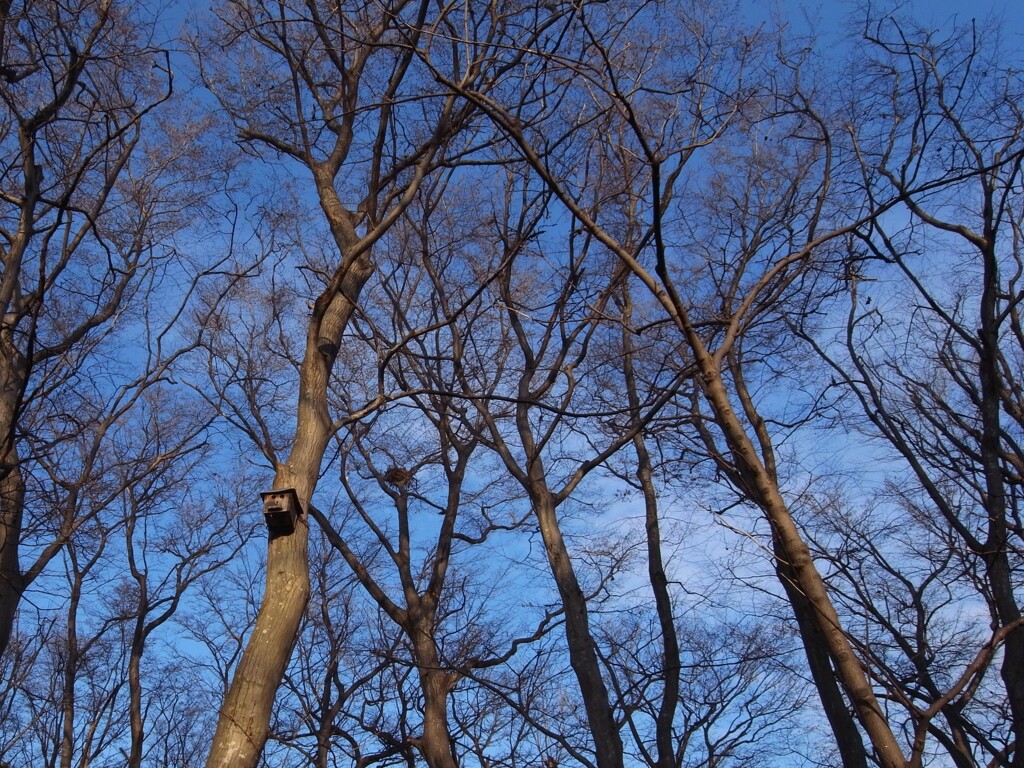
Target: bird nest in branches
x: 397, y: 476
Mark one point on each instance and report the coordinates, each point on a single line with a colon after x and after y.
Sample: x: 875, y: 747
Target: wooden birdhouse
x: 281, y: 509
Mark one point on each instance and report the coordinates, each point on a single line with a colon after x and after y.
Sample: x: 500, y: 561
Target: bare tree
x: 528, y: 289
x: 78, y: 229
x: 417, y: 453
x: 929, y: 357
x: 309, y: 72
x: 644, y: 127
x: 94, y: 193
x: 332, y: 88
x: 99, y: 658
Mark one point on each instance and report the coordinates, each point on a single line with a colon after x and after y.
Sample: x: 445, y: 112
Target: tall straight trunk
x: 794, y: 553
x: 14, y: 373
x: 12, y: 486
x: 998, y: 570
x: 848, y: 739
x: 136, y: 722
x: 819, y: 661
x: 671, y: 664
x: 244, y: 721
x: 582, y: 650
x: 70, y: 671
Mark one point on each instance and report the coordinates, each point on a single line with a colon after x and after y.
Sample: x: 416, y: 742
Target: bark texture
x: 840, y: 720
x: 12, y: 503
x: 582, y: 650
x: 796, y: 558
x: 435, y: 743
x: 244, y: 721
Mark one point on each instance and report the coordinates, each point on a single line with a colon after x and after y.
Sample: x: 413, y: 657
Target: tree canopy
x: 509, y: 384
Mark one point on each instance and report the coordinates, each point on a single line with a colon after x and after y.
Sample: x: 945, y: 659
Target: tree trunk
x: 670, y: 666
x: 244, y: 721
x: 12, y: 487
x: 582, y: 651
x: 436, y: 742
x: 70, y: 672
x: 12, y: 504
x: 844, y: 727
x: 997, y: 564
x: 795, y: 556
x: 136, y: 721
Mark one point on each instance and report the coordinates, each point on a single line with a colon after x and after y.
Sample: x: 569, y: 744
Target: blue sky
x: 833, y: 14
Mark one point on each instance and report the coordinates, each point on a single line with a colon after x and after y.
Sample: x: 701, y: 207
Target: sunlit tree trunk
x: 435, y: 743
x: 244, y: 721
x: 580, y: 643
x: 796, y: 556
